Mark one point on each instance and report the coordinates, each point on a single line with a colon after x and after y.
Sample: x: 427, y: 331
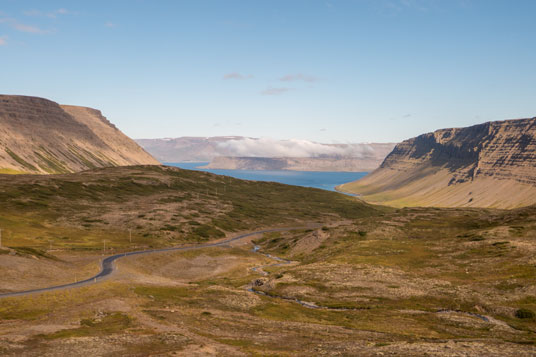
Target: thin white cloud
x: 394, y: 7
x: 51, y: 14
x: 14, y: 24
x: 3, y: 40
x: 28, y: 28
x: 275, y: 91
x: 266, y: 147
x: 298, y: 77
x: 236, y: 75
x: 110, y: 24
x: 33, y: 12
x: 421, y: 5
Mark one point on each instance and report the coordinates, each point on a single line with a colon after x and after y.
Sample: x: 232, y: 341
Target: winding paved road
x: 108, y: 266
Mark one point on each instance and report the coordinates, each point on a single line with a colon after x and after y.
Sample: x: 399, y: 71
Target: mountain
x: 40, y: 136
x: 367, y: 163
x: 486, y: 165
x: 242, y: 153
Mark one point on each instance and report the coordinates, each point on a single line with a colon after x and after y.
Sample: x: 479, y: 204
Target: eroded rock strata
x: 40, y: 136
x: 486, y: 165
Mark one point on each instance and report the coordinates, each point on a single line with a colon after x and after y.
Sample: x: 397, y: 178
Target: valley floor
x: 384, y: 287
x: 367, y: 281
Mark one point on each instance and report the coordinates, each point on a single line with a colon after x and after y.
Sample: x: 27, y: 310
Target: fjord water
x: 323, y: 180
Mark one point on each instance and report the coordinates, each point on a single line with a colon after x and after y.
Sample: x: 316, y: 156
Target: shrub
x: 206, y: 231
x: 524, y: 314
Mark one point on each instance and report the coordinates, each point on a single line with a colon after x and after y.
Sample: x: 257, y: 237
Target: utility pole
x: 130, y: 235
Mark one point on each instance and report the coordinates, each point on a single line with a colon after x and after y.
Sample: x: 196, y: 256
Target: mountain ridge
x: 333, y: 164
x: 38, y: 135
x: 245, y: 153
x: 492, y: 164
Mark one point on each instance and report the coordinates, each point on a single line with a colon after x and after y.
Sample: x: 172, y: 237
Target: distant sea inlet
x: 323, y: 180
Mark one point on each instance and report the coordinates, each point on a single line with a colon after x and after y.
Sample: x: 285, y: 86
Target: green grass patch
x: 7, y: 171
x: 111, y: 323
x: 162, y: 293
x: 20, y: 160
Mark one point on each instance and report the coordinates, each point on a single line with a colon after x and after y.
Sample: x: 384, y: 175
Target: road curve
x: 108, y: 266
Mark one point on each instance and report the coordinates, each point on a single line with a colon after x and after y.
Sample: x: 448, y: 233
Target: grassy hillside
x: 431, y: 187
x: 422, y: 273
x: 161, y: 206
x: 412, y: 282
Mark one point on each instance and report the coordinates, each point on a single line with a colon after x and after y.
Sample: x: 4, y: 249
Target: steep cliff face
x: 40, y: 136
x: 487, y: 165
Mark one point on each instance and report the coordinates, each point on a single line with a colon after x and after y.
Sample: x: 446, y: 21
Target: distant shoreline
x: 325, y: 180
x: 201, y: 166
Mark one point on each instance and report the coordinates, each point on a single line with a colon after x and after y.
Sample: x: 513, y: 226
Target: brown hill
x: 486, y: 165
x: 41, y: 136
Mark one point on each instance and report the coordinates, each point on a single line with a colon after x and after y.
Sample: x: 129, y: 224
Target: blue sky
x: 329, y: 71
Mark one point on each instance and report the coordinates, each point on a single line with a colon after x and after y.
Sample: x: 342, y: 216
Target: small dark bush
x: 206, y: 231
x: 477, y: 239
x: 524, y: 314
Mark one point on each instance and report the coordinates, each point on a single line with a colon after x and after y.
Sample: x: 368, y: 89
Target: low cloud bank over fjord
x: 267, y: 147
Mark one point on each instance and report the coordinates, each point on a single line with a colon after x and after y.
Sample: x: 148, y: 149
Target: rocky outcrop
x: 487, y: 165
x: 41, y: 136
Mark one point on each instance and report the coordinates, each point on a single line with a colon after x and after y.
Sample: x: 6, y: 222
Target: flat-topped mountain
x: 243, y: 153
x: 351, y: 164
x: 486, y: 165
x: 40, y: 136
